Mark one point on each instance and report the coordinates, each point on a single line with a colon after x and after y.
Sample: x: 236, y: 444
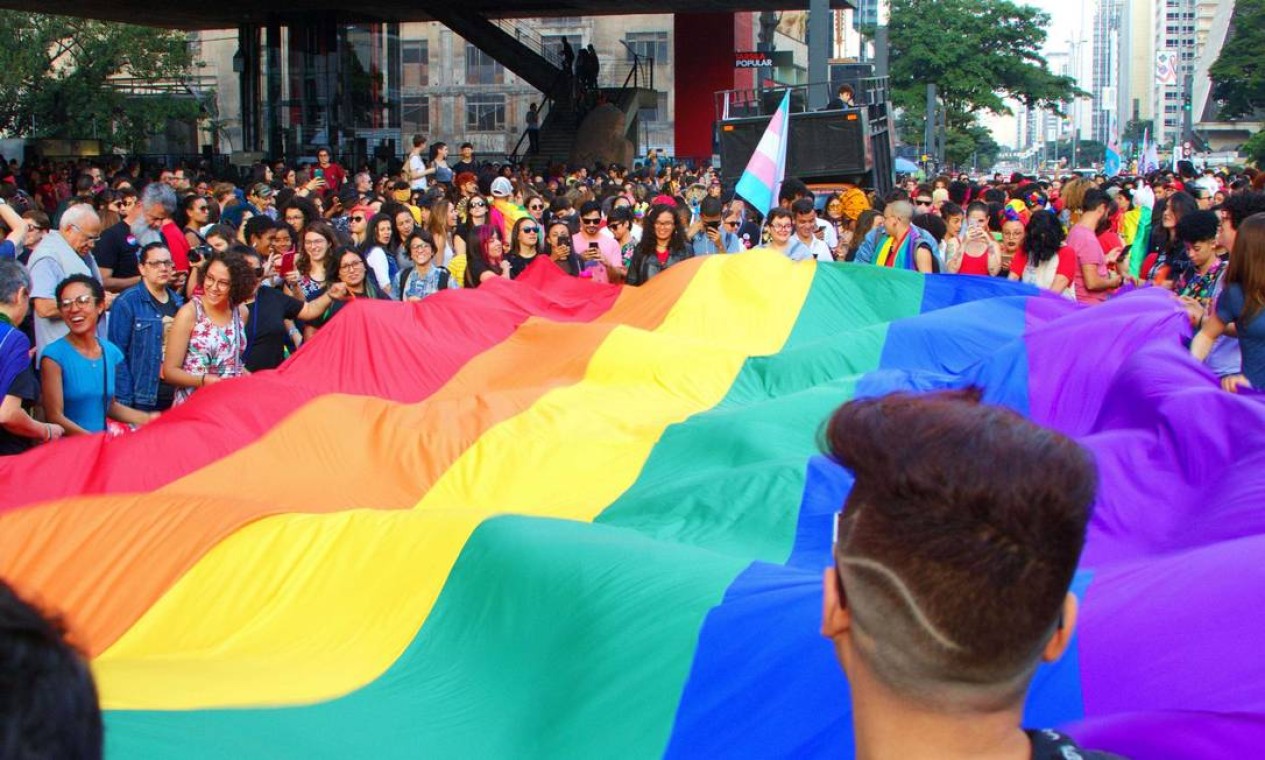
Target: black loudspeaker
x: 824, y: 146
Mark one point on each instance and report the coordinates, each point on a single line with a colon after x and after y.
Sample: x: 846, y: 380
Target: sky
x: 1065, y: 23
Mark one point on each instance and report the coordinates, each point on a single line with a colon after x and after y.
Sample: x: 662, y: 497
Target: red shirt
x: 176, y: 243
x: 1065, y: 267
x: 335, y: 176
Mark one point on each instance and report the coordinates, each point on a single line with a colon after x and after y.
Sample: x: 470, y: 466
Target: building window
x: 481, y: 68
x: 415, y: 116
x: 657, y: 114
x: 647, y: 45
x: 485, y: 113
x: 415, y: 56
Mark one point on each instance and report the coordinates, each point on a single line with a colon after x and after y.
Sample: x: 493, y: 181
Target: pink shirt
x: 1088, y: 251
x: 605, y: 243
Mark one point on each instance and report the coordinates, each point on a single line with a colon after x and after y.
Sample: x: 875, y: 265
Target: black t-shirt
x: 26, y: 387
x: 266, y: 331
x: 166, y: 392
x: 518, y: 264
x: 117, y: 251
x: 464, y: 166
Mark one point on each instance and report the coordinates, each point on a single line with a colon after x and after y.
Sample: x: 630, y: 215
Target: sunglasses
x: 478, y: 204
x: 529, y: 230
x: 592, y: 220
x: 922, y: 202
x: 536, y: 207
x: 357, y: 218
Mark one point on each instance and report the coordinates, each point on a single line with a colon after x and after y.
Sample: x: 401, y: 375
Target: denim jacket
x: 136, y: 327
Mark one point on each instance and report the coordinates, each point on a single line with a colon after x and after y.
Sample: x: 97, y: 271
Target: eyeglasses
x: 478, y: 204
x: 591, y: 220
x: 536, y: 207
x: 352, y: 266
x: 91, y: 238
x: 529, y: 230
x: 83, y: 300
x: 782, y: 227
x: 210, y: 284
x: 160, y: 263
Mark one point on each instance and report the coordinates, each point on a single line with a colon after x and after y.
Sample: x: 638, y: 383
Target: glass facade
x: 333, y: 84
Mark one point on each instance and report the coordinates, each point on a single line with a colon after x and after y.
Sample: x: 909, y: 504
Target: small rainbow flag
x: 762, y: 180
x: 547, y: 518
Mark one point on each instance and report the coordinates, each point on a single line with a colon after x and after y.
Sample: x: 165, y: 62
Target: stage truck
x: 827, y: 146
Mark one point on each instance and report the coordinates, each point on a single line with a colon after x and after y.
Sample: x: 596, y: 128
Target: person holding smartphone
x: 597, y: 245
x: 705, y: 234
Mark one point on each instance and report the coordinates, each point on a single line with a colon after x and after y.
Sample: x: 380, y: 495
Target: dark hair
x: 792, y: 188
x: 1239, y: 206
x: 258, y: 225
x: 1198, y: 226
x: 1093, y: 200
x: 777, y: 212
x: 932, y: 224
x: 1043, y: 237
x: 949, y: 208
x: 182, y: 212
x: 48, y: 707
x: 98, y: 292
x: 241, y: 275
x: 956, y: 581
x: 515, y: 234
x: 143, y: 256
x: 589, y: 207
x: 221, y: 231
x: 803, y: 207
x: 305, y: 206
x: 422, y: 235
x: 648, y: 243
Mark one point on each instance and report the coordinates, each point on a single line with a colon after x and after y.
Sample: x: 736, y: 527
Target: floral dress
x: 212, y: 349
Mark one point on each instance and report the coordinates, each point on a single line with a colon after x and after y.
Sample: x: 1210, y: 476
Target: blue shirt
x: 1251, y: 334
x: 87, y: 385
x: 703, y: 245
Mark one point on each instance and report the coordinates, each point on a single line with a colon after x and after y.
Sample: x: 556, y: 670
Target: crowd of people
x: 125, y: 292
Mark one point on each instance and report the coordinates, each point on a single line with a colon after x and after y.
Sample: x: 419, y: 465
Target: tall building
x: 1106, y: 69
x: 1176, y: 45
x: 1135, y: 95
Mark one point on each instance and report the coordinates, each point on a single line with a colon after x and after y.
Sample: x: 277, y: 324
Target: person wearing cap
x: 259, y: 197
x: 504, y: 212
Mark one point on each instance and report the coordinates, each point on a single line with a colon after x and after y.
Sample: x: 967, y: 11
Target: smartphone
x: 287, y: 263
x: 320, y: 174
x: 712, y: 225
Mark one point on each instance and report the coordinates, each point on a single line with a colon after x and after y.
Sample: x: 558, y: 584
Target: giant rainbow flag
x: 556, y: 519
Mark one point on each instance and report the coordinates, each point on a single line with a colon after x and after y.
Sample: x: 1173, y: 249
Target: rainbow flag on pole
x: 548, y: 517
x: 762, y: 180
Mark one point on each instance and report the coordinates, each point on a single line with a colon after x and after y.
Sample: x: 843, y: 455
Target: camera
x: 198, y: 253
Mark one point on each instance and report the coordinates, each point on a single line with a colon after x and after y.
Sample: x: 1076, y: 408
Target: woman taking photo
x: 208, y: 338
x: 425, y: 277
x: 77, y: 370
x: 558, y: 245
x: 662, y: 245
x: 524, y: 245
x: 1241, y: 303
x: 270, y: 317
x: 487, y: 261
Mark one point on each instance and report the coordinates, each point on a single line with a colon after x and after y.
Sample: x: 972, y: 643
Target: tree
x: 56, y: 74
x: 978, y: 53
x: 1254, y: 148
x: 1238, y: 75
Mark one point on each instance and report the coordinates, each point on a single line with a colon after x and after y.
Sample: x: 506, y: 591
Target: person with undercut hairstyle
x: 953, y: 559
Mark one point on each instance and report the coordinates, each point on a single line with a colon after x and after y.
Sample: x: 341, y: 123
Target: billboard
x: 1166, y: 62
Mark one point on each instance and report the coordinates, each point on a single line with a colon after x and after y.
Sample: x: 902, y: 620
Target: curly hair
x: 1043, y: 237
x: 241, y: 275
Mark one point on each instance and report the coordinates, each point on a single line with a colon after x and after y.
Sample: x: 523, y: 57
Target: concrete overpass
x: 332, y: 78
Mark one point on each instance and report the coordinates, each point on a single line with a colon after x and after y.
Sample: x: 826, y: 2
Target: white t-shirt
x: 832, y: 236
x: 415, y: 165
x: 377, y: 261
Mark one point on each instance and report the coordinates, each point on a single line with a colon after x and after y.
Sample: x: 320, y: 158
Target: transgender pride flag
x: 762, y: 180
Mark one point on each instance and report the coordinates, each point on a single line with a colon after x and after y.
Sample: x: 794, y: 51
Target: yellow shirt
x: 458, y: 269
